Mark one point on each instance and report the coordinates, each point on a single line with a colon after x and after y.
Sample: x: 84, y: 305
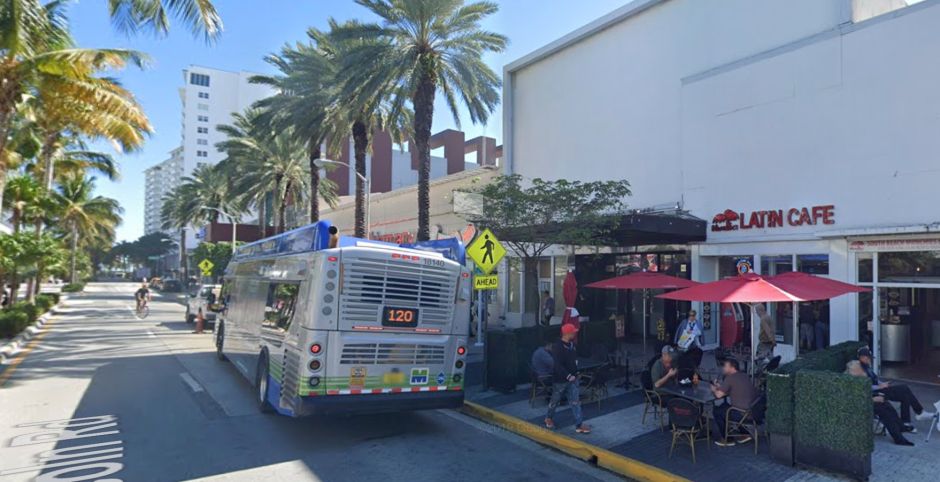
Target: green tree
x: 177, y: 213
x: 422, y: 47
x: 530, y: 219
x: 85, y: 218
x: 219, y: 254
x: 25, y: 200
x: 154, y: 16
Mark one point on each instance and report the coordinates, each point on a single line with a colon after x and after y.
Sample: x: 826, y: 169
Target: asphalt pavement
x: 103, y: 395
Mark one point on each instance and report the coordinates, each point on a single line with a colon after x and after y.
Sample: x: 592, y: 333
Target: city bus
x: 326, y: 324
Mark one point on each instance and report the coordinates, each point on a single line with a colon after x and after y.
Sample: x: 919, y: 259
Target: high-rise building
x: 209, y: 97
x: 160, y: 180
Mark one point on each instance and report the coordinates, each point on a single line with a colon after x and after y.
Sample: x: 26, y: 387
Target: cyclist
x: 142, y: 296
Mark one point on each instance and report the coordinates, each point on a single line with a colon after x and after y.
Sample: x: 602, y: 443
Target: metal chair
x: 685, y: 419
x: 653, y: 402
x: 749, y: 420
x: 540, y: 386
x: 595, y: 384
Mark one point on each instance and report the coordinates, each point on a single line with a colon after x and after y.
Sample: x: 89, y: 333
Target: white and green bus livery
x: 325, y: 324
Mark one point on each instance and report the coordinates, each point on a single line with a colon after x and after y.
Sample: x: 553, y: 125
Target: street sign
x: 488, y: 282
x: 206, y: 267
x: 486, y: 251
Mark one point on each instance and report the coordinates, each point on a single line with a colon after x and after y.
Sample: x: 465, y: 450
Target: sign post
x: 486, y: 251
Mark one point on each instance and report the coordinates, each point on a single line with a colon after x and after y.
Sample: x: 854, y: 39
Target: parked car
x: 205, y: 300
x: 156, y: 283
x: 171, y: 286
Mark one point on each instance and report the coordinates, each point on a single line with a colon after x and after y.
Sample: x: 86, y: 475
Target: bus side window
x: 279, y: 308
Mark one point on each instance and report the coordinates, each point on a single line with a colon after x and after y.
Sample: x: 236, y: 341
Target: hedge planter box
x: 832, y: 422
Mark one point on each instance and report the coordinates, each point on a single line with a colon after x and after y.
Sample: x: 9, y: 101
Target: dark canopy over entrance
x: 634, y: 229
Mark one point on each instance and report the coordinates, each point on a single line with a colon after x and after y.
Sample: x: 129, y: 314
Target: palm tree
x: 24, y: 199
x: 85, y: 218
x: 268, y: 161
x: 177, y: 212
x: 154, y: 15
x: 207, y: 190
x: 306, y: 90
x: 422, y: 47
x: 36, y: 49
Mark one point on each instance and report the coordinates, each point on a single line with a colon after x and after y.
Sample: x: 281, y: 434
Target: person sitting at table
x: 894, y: 392
x: 542, y: 362
x: 663, y: 371
x: 738, y: 388
x: 883, y: 410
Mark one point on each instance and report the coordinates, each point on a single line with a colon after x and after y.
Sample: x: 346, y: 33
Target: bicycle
x: 143, y: 310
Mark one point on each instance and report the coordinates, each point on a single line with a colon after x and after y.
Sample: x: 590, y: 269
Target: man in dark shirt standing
x: 738, y: 387
x: 565, y: 379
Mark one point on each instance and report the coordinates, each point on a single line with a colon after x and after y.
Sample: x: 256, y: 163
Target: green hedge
x: 12, y: 321
x: 32, y: 311
x: 841, y: 414
x: 73, y: 287
x: 780, y: 384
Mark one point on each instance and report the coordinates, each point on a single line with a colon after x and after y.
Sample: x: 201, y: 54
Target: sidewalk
x: 617, y: 427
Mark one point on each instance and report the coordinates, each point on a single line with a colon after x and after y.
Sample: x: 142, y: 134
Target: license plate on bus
x: 399, y: 317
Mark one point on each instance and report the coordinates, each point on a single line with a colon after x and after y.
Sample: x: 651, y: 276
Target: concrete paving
x: 106, y: 396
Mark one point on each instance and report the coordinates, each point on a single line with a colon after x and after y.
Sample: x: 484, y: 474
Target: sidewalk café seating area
x: 638, y: 423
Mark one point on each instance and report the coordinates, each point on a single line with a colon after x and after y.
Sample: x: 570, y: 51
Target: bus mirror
x: 334, y: 237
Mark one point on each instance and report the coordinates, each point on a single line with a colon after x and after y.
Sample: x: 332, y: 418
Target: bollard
x: 199, y: 322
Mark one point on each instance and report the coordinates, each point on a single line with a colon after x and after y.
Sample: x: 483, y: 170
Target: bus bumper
x: 379, y: 402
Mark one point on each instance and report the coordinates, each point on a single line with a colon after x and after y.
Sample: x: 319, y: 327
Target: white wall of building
x: 159, y: 180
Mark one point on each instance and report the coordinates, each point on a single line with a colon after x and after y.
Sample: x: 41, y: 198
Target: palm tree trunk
x: 314, y: 182
x: 72, y: 273
x: 262, y: 216
x: 184, y: 261
x: 360, y: 144
x: 3, y: 178
x: 275, y: 201
x: 46, y: 156
x: 423, y: 102
x: 282, y: 209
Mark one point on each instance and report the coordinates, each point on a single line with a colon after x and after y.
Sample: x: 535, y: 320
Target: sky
x: 254, y: 28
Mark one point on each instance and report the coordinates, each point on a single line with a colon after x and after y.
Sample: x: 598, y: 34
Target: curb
x: 603, y: 458
x: 13, y: 347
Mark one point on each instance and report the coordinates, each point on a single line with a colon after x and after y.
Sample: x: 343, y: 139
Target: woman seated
x: 883, y: 410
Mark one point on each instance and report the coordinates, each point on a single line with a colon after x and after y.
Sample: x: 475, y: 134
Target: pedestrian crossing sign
x: 206, y: 267
x: 486, y: 251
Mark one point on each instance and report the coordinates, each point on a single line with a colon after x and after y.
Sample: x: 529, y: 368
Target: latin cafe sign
x: 729, y: 220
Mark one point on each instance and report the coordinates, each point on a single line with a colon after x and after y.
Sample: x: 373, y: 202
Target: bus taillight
x: 461, y: 350
x: 315, y: 348
x: 314, y: 381
x: 315, y: 365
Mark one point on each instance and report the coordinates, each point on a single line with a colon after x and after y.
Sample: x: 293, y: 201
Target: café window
x: 515, y: 285
x: 813, y: 264
x: 866, y: 268
x: 280, y: 304
x: 776, y: 264
x: 909, y: 267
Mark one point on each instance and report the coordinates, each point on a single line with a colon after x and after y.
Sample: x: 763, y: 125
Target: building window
x: 909, y: 267
x: 199, y: 79
x: 201, y: 164
x: 202, y: 130
x: 202, y: 154
x: 202, y: 142
x: 202, y: 106
x: 203, y: 95
x: 813, y: 263
x: 279, y: 308
x: 203, y: 118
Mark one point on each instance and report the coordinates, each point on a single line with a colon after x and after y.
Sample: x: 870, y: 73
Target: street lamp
x: 320, y: 163
x: 231, y: 220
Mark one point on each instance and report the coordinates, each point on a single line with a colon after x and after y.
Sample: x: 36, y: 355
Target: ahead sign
x: 488, y: 282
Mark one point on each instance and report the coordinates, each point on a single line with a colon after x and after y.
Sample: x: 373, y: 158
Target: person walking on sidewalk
x: 565, y: 379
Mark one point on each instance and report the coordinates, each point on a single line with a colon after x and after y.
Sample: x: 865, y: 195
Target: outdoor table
x: 588, y: 364
x: 700, y: 393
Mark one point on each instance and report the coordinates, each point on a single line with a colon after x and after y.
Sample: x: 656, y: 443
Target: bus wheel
x: 219, y: 341
x: 262, y: 384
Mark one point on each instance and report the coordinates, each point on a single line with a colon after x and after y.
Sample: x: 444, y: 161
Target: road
x: 142, y: 400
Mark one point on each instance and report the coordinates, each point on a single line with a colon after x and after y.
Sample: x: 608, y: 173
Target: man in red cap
x: 565, y: 378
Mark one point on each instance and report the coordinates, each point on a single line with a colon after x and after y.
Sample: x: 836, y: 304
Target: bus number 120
x: 399, y: 317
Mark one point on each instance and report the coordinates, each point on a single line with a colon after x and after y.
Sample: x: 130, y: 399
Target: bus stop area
x: 616, y: 416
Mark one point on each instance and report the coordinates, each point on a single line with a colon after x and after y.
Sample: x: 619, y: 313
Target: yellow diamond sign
x: 206, y: 267
x: 486, y: 251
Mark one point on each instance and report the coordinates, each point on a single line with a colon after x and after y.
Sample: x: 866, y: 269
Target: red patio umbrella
x: 813, y: 287
x: 752, y: 288
x: 570, y: 292
x: 644, y: 280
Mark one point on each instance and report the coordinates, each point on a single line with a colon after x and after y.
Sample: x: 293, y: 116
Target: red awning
x: 643, y: 280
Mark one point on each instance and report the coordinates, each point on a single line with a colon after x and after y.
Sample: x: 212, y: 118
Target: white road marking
x: 72, y: 463
x: 150, y: 334
x: 193, y: 384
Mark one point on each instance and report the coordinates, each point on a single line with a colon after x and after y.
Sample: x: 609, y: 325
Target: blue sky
x: 254, y: 28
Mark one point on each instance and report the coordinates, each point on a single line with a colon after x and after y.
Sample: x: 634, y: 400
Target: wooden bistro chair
x: 594, y: 384
x: 685, y: 419
x: 653, y: 403
x: 750, y: 419
x: 541, y: 386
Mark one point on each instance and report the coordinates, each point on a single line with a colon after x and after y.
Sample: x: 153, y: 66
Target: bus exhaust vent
x: 391, y: 354
x: 371, y: 283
